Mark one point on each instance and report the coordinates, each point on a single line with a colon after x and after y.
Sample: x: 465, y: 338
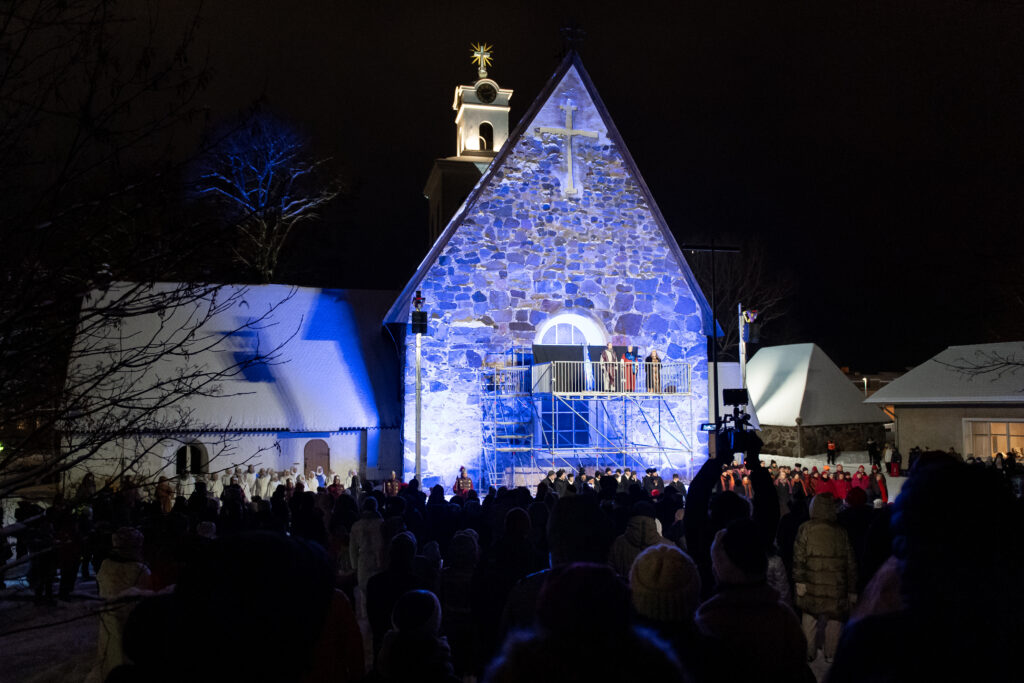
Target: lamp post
x: 714, y: 321
x: 419, y: 328
x: 746, y: 318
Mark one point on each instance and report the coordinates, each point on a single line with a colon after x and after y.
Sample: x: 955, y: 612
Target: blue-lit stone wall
x: 524, y: 252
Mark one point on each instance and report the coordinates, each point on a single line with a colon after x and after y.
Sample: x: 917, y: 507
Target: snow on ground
x: 44, y: 643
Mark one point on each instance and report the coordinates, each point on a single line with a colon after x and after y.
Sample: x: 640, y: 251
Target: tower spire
x: 481, y: 57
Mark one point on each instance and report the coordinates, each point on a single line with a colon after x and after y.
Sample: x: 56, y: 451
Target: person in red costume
x: 463, y: 484
x: 629, y: 368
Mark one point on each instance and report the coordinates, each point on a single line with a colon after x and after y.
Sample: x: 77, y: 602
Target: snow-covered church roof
x: 978, y: 373
x: 800, y: 380
x: 331, y: 364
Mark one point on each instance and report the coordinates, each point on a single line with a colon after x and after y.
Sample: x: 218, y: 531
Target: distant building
x: 803, y: 399
x: 969, y: 398
x: 328, y: 397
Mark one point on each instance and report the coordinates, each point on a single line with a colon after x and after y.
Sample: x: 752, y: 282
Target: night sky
x: 874, y: 147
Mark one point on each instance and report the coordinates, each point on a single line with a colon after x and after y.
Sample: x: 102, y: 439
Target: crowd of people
x: 745, y: 574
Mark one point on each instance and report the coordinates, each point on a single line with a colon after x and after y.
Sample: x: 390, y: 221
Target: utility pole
x: 714, y: 321
x: 419, y: 328
x: 745, y: 320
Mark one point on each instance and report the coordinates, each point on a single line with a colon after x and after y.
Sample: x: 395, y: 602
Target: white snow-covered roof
x: 331, y: 367
x: 800, y: 380
x: 729, y: 377
x: 977, y: 373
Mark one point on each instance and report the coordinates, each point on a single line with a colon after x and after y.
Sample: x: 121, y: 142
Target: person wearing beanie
x: 665, y: 591
x: 414, y: 648
x: 641, y: 532
x: 746, y: 612
x: 665, y: 584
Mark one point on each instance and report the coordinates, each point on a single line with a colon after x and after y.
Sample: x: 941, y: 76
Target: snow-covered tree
x: 264, y: 180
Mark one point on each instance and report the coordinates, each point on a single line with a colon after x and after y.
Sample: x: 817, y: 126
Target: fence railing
x: 508, y: 381
x: 586, y: 377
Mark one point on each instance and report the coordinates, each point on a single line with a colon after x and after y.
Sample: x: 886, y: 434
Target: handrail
x: 587, y: 377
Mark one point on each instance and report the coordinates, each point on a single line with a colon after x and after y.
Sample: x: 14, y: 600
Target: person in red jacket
x: 825, y: 484
x: 879, y: 487
x: 463, y: 484
x: 842, y: 485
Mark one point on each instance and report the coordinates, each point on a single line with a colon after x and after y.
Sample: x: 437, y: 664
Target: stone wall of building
x: 523, y: 253
x: 848, y: 437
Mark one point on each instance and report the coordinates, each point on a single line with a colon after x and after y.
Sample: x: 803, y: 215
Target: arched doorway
x: 191, y: 457
x: 316, y: 453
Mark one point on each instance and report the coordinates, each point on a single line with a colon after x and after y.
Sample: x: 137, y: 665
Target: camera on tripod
x: 735, y: 435
x: 738, y: 399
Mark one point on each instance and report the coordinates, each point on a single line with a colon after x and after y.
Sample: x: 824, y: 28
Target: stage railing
x: 586, y: 377
x: 510, y: 381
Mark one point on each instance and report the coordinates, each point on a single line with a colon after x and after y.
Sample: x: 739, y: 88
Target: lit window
x: 989, y: 438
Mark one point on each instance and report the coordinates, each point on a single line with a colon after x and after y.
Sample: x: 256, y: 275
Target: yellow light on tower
x: 481, y: 57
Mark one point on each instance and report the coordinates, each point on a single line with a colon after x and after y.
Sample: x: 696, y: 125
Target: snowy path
x: 43, y: 643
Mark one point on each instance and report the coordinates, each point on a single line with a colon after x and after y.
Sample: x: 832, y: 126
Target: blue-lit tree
x: 263, y: 180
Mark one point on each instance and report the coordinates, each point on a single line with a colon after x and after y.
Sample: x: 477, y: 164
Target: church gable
x: 560, y: 223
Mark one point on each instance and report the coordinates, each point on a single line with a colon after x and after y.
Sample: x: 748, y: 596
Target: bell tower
x: 482, y: 111
x: 481, y: 122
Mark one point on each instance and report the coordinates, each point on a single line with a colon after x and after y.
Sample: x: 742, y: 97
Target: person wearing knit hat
x: 665, y: 584
x: 745, y: 609
x: 665, y: 591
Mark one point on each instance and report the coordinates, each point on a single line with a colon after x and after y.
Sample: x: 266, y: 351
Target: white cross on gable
x: 569, y: 132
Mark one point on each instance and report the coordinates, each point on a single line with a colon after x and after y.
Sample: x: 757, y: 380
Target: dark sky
x: 874, y: 146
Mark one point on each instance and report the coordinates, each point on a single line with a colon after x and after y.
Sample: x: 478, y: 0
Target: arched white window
x: 571, y: 329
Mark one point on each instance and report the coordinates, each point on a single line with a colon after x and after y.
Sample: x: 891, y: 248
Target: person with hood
x: 122, y: 574
x: 825, y: 575
x: 641, y: 533
x: 366, y: 543
x: 746, y: 612
x: 414, y: 648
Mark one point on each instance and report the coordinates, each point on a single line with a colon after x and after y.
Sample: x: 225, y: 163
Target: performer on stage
x: 653, y: 370
x: 629, y: 368
x: 392, y: 486
x: 463, y: 484
x: 608, y: 367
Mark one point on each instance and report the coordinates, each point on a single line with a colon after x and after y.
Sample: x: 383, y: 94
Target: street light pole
x: 419, y: 327
x: 714, y: 321
x: 419, y: 402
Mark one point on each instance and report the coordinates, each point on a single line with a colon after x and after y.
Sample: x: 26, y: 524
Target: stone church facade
x: 561, y: 222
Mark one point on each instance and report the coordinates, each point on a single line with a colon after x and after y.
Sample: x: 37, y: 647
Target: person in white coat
x: 120, y: 576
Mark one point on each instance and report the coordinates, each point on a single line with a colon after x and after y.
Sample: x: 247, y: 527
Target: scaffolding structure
x: 619, y: 415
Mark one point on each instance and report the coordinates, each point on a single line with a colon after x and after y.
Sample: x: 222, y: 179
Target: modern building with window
x: 969, y: 398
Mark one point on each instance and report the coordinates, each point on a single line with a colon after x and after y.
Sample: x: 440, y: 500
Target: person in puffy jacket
x: 641, y: 533
x: 825, y: 574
